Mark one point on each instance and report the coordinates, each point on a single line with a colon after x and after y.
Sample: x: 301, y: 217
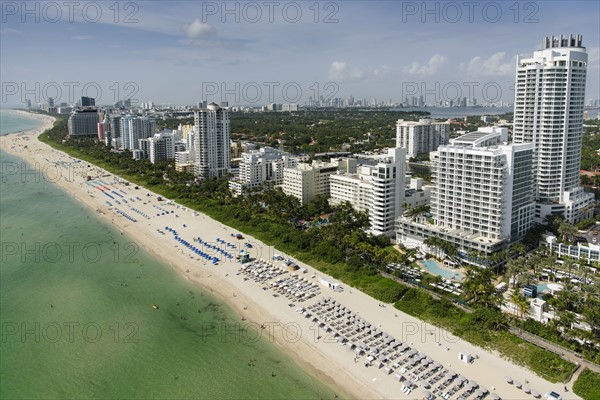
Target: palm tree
x: 567, y: 231
x: 520, y: 301
x: 478, y: 288
x: 534, y: 261
x: 514, y: 268
x: 518, y: 248
x: 436, y: 243
x: 568, y: 265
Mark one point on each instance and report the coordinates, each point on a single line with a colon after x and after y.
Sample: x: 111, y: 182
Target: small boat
x: 155, y: 306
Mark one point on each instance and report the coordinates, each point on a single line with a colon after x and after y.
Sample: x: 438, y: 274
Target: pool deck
x: 454, y: 272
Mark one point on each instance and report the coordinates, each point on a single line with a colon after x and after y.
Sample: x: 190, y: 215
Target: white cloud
x: 495, y: 65
x: 339, y: 71
x: 433, y: 66
x: 384, y: 70
x: 198, y: 29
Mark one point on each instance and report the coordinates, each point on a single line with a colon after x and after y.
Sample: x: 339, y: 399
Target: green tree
x: 478, y: 289
x: 519, y: 300
x: 567, y: 231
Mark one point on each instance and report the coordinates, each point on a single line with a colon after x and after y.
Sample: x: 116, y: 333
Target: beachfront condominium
x: 483, y: 197
x: 421, y: 137
x: 376, y: 186
x: 161, y: 147
x: 260, y: 169
x: 305, y: 181
x: 134, y: 128
x: 83, y: 122
x: 548, y: 112
x: 212, y: 141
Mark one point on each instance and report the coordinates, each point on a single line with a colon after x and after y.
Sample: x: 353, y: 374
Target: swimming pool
x: 433, y: 267
x: 541, y: 287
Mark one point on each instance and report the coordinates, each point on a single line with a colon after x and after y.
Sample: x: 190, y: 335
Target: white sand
x: 323, y: 357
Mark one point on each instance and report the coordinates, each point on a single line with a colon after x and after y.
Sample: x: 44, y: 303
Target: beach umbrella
x: 517, y: 384
x: 478, y: 393
x: 494, y: 396
x: 427, y: 394
x: 508, y: 379
x: 535, y: 393
x: 526, y: 389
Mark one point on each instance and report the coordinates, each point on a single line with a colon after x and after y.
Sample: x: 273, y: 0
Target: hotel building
x: 549, y: 100
x: 483, y: 197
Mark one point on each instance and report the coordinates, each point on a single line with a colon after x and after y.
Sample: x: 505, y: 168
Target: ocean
x: 458, y: 112
x: 77, y: 319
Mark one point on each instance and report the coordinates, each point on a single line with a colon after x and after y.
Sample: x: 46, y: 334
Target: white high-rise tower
x: 212, y: 145
x: 549, y: 100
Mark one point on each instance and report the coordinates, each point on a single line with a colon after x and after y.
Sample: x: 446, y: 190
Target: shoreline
x: 236, y: 300
x: 324, y: 360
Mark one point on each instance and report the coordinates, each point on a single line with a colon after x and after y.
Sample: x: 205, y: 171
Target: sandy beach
x: 260, y: 310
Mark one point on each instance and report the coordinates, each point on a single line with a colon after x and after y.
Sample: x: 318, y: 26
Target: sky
x: 255, y: 53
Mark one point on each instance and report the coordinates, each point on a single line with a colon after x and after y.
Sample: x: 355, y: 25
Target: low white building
x: 588, y: 250
x: 417, y: 194
x: 260, y: 169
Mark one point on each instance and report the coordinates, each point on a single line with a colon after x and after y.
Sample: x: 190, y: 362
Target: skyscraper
x: 549, y: 100
x: 88, y: 101
x: 134, y: 128
x: 212, y: 141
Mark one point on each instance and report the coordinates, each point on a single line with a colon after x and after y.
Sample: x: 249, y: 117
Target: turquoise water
x: 541, y: 287
x: 434, y: 268
x: 10, y: 122
x: 77, y: 321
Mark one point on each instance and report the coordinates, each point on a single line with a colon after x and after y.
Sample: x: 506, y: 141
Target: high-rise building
x: 83, y: 122
x: 421, y: 137
x: 134, y: 128
x: 483, y: 197
x: 161, y: 147
x: 88, y: 101
x: 115, y: 126
x: 376, y: 186
x: 548, y: 112
x: 212, y: 141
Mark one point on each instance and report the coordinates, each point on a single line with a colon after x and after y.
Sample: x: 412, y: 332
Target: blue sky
x: 182, y: 52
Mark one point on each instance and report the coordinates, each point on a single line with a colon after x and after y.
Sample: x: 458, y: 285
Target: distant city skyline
x: 255, y: 53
